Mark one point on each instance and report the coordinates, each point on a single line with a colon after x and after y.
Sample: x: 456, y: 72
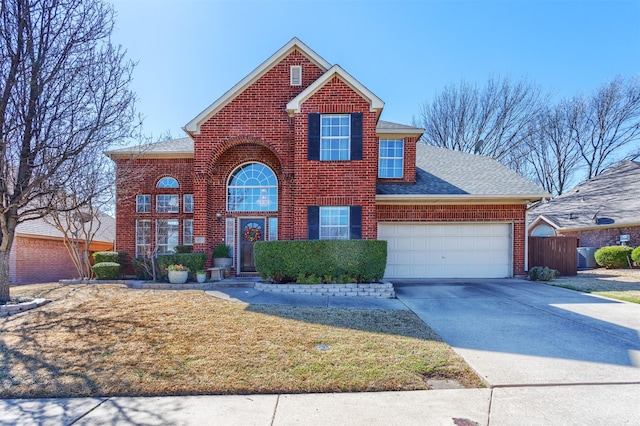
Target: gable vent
x: 296, y: 75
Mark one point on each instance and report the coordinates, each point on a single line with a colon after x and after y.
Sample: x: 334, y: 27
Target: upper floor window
x: 335, y: 137
x: 187, y: 203
x: 167, y: 203
x: 391, y: 158
x: 252, y: 187
x: 143, y: 203
x: 167, y: 182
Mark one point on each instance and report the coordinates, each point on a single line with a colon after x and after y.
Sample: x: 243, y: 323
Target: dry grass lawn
x: 103, y: 340
x: 621, y: 284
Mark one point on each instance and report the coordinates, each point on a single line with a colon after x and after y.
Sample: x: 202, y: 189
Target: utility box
x: 586, y: 258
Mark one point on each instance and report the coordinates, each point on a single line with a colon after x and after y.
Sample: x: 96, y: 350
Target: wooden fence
x: 554, y: 252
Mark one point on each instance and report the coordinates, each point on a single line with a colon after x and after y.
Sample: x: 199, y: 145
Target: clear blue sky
x: 190, y: 52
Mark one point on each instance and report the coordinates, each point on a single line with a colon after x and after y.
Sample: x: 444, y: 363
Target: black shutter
x: 313, y: 137
x: 313, y: 222
x: 356, y: 136
x: 355, y: 222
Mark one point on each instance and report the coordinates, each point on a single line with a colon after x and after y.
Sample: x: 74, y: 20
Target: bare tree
x: 63, y: 92
x: 491, y: 121
x: 610, y: 123
x: 552, y: 153
x: 80, y: 215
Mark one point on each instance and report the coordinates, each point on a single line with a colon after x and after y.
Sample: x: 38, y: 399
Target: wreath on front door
x: 251, y: 234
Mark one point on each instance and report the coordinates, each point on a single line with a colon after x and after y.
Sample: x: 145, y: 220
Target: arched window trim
x: 169, y: 183
x: 233, y: 174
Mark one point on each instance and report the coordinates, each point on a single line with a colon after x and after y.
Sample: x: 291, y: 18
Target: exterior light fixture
x: 219, y: 217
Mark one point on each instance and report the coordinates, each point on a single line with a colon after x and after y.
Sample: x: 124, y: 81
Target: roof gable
x: 193, y: 126
x: 610, y: 199
x: 375, y: 102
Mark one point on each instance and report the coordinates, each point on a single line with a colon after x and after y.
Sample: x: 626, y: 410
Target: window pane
x: 167, y: 204
x: 335, y: 137
x: 391, y: 158
x: 143, y: 203
x: 166, y: 235
x: 143, y: 238
x: 253, y: 187
x: 187, y: 234
x: 273, y: 228
x: 188, y: 203
x: 230, y: 237
x: 334, y: 223
x: 168, y: 182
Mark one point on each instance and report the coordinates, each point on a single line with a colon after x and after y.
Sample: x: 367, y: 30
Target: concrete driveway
x: 519, y: 333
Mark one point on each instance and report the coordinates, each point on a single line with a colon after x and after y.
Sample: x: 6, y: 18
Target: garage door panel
x: 459, y: 250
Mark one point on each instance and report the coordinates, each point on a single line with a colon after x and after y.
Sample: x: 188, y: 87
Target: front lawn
x: 103, y: 340
x: 621, y: 284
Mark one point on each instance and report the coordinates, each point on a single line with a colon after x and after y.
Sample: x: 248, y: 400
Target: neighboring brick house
x: 296, y: 150
x: 598, y: 211
x: 38, y: 253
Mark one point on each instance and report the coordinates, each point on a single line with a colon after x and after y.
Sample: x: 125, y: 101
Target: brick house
x: 297, y: 150
x: 38, y: 253
x: 600, y: 211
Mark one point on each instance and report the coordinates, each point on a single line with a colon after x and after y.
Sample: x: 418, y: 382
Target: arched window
x: 543, y: 231
x: 167, y: 182
x: 252, y: 187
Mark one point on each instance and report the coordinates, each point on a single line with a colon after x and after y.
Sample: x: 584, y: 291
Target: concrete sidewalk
x: 555, y: 405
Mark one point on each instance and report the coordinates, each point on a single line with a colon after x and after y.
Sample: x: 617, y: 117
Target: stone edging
x: 380, y: 290
x: 6, y: 310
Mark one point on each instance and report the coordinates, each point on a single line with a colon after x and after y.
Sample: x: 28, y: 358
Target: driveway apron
x: 516, y: 332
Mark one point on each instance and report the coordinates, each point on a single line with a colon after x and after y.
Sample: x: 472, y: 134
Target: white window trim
x: 149, y: 235
x: 380, y: 158
x: 347, y: 226
x: 184, y: 203
x: 184, y: 232
x: 347, y: 137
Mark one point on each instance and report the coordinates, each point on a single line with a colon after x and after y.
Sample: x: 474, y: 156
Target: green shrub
x: 106, y: 256
x: 222, y: 250
x: 324, y: 260
x: 539, y: 273
x: 107, y: 270
x: 613, y: 256
x: 193, y: 261
x: 183, y: 249
x: 635, y: 255
x: 142, y: 268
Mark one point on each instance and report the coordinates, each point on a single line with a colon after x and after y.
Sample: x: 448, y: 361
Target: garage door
x: 447, y: 250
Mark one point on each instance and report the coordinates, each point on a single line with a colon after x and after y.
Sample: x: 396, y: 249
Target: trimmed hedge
x: 193, y: 261
x: 107, y: 270
x: 635, y: 255
x: 106, y: 256
x: 321, y: 261
x: 613, y: 256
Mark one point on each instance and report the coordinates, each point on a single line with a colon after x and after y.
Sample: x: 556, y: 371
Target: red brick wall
x: 513, y: 213
x: 40, y: 260
x: 140, y: 176
x: 331, y: 183
x: 604, y: 237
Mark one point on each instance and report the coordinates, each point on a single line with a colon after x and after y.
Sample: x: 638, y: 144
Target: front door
x: 251, y: 230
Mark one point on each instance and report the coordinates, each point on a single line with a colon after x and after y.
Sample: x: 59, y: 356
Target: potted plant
x: 178, y: 274
x: 201, y: 276
x: 222, y: 256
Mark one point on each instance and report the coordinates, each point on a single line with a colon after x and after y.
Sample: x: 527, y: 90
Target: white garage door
x: 469, y: 250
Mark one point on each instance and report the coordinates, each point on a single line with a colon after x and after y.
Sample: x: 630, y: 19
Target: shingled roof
x: 446, y: 174
x: 607, y: 200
